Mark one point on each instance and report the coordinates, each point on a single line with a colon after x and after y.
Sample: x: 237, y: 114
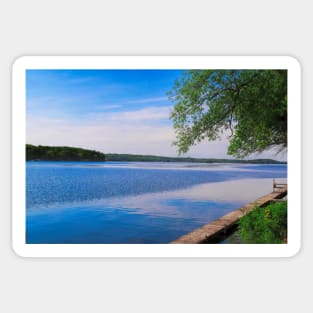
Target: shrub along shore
x: 265, y: 225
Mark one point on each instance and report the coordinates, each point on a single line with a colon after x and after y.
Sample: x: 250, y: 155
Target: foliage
x: 250, y: 105
x: 265, y: 225
x: 47, y: 153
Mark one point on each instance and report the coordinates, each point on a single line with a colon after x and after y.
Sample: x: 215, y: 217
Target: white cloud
x: 145, y: 131
x: 107, y: 107
x: 149, y: 100
x: 106, y: 137
x: 146, y: 115
x: 137, y: 132
x: 111, y: 106
x: 143, y: 115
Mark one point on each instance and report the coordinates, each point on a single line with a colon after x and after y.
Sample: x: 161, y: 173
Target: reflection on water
x: 134, y: 203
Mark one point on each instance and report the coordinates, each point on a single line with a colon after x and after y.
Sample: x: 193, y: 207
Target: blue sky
x: 113, y: 111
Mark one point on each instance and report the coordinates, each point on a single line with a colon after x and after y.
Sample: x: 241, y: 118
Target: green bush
x: 265, y: 225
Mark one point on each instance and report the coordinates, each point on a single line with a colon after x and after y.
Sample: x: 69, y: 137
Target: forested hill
x: 155, y: 158
x: 49, y: 153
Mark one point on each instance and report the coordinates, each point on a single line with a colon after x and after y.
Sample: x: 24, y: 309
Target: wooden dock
x: 222, y: 225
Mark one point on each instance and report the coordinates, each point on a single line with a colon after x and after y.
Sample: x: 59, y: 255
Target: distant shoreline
x: 72, y: 154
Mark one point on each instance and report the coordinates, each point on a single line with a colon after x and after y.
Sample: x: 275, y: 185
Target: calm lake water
x: 129, y: 202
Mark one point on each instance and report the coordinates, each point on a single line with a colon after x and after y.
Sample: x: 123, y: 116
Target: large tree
x: 249, y: 105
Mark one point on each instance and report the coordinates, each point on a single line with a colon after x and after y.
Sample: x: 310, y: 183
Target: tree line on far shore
x: 64, y: 153
x: 48, y: 153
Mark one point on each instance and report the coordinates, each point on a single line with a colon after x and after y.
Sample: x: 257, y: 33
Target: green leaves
x: 250, y: 105
x: 265, y: 225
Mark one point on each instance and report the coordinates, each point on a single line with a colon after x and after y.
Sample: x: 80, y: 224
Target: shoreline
x: 209, y: 232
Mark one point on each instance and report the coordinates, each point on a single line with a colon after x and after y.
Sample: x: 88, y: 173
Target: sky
x: 111, y: 111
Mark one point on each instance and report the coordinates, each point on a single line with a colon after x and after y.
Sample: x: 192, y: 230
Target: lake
x: 135, y: 202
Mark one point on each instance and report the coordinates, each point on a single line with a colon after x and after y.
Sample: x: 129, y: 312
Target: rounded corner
x: 20, y: 62
x: 295, y: 251
x: 17, y: 61
x: 294, y: 61
x: 17, y: 251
